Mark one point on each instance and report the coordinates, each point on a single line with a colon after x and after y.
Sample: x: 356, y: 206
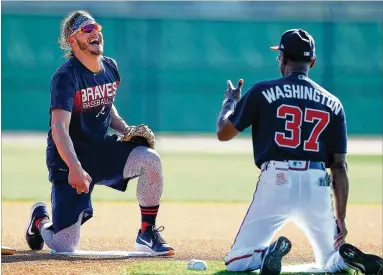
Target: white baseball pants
x: 288, y: 191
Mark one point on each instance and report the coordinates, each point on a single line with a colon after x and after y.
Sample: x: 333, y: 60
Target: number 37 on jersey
x: 295, y: 118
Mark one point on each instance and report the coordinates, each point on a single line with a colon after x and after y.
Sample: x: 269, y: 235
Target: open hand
x: 233, y: 93
x: 342, y: 233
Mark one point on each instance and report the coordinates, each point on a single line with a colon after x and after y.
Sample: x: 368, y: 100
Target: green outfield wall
x: 174, y: 70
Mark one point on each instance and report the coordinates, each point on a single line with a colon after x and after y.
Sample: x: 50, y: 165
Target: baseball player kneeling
x: 298, y: 130
x: 80, y: 153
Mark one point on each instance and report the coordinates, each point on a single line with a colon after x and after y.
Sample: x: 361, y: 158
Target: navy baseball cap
x: 297, y: 44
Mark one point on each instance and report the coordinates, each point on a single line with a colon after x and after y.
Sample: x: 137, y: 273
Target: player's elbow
x: 222, y: 136
x: 219, y: 136
x: 227, y: 131
x: 55, y: 127
x: 59, y: 129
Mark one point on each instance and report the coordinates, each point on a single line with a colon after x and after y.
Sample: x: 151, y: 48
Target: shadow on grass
x: 224, y: 272
x: 36, y: 256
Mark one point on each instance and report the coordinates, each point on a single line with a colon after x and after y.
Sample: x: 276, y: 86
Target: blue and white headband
x: 81, y: 21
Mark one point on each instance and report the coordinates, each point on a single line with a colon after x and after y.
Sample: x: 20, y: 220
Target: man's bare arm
x: 340, y: 184
x: 225, y: 129
x: 116, y: 122
x: 60, y: 134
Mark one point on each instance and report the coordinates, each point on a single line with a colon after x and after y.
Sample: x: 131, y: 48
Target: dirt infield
x: 202, y: 231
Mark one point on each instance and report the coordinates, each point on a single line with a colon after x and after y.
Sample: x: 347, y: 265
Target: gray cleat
x: 272, y: 259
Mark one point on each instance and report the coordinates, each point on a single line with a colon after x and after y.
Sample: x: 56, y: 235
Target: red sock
x: 148, y: 216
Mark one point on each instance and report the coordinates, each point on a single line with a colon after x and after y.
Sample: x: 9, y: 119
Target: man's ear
x: 312, y: 64
x: 284, y: 60
x: 71, y: 40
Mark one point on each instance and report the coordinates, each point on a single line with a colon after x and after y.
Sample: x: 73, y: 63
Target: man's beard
x: 85, y: 47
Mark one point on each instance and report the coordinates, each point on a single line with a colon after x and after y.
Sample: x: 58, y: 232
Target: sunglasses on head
x: 89, y: 28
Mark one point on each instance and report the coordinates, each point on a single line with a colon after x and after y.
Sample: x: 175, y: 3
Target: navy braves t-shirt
x: 292, y: 118
x: 89, y: 97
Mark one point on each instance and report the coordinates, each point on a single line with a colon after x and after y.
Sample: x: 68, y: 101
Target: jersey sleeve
x: 245, y: 111
x: 113, y: 64
x: 337, y: 134
x: 62, y: 92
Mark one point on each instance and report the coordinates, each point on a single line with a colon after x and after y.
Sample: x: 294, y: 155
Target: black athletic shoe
x: 365, y: 263
x: 272, y: 259
x: 32, y: 233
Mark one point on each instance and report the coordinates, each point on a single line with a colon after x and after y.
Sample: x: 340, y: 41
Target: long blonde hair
x: 66, y: 31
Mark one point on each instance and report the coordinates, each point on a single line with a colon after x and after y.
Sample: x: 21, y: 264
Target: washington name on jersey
x: 302, y: 92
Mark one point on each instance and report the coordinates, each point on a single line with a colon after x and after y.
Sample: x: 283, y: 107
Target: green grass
x: 188, y: 177
x: 180, y: 268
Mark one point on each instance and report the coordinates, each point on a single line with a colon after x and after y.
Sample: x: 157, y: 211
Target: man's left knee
x: 152, y: 158
x: 152, y: 164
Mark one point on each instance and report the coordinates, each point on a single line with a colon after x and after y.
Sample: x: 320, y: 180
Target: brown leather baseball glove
x: 140, y: 134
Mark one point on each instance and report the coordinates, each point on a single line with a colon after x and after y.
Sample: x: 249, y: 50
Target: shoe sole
x: 356, y: 259
x: 31, y: 220
x: 272, y: 262
x: 145, y: 248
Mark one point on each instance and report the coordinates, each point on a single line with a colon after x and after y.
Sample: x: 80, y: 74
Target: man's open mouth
x: 94, y: 42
